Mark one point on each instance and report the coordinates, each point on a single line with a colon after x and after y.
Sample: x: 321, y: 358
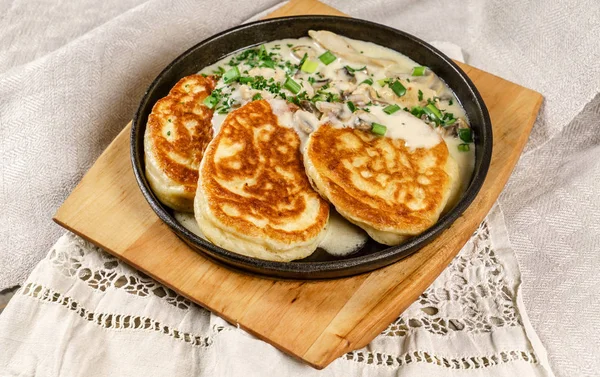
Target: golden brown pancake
x: 391, y: 191
x: 178, y: 131
x: 253, y: 195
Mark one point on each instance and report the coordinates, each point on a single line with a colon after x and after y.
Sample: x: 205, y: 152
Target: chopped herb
x: 290, y: 45
x: 398, y: 88
x: 391, y: 109
x: 352, y: 70
x: 433, y: 113
x: 465, y: 135
x: 378, y: 129
x: 450, y: 102
x: 417, y: 111
x: 327, y: 58
x: 256, y: 97
x: 351, y: 106
x: 311, y: 80
x: 418, y: 71
x: 211, y: 101
x: 169, y: 120
x: 309, y: 66
x: 382, y: 82
x: 232, y: 75
x: 220, y: 70
x: 464, y: 147
x: 420, y: 95
x: 168, y: 133
x: 292, y: 85
x: 367, y: 81
x: 246, y: 80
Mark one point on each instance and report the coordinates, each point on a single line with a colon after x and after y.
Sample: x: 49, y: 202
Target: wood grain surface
x: 315, y: 321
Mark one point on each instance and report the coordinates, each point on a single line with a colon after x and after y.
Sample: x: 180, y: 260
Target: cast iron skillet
x: 319, y: 265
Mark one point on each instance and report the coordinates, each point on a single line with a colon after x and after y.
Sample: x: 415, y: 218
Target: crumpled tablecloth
x: 71, y: 74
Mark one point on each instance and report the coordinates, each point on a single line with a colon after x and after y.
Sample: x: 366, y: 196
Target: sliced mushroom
x: 305, y: 121
x: 340, y: 47
x: 300, y: 51
x: 320, y: 83
x: 310, y: 107
x: 364, y: 120
x: 329, y: 108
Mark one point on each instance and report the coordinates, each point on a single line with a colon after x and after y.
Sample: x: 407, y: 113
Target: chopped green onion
x: 433, y: 112
x: 398, y: 88
x: 449, y: 122
x: 211, y: 101
x: 289, y: 45
x: 418, y: 71
x: 309, y: 66
x: 378, y: 129
x: 450, y: 102
x: 382, y: 82
x: 168, y: 133
x: 292, y: 85
x: 246, y: 79
x: 367, y: 81
x: 420, y: 95
x: 391, y: 109
x: 351, y: 106
x: 231, y: 75
x: 327, y: 58
x: 465, y: 135
x: 262, y: 50
x: 256, y: 97
x: 464, y: 147
x: 417, y: 111
x: 352, y: 70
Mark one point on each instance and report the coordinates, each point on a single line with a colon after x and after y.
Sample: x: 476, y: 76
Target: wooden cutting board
x: 315, y: 321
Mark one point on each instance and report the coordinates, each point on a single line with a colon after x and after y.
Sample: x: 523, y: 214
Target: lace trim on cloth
x: 114, y: 321
x: 474, y: 295
x: 81, y: 259
x: 455, y: 302
x: 471, y: 362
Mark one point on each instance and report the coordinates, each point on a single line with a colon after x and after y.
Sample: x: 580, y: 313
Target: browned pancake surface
x: 179, y: 153
x: 378, y: 180
x: 260, y: 178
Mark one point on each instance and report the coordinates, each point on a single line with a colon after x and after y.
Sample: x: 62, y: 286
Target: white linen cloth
x: 71, y: 74
x: 82, y: 312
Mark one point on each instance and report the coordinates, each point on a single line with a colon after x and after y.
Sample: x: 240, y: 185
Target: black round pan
x: 320, y: 265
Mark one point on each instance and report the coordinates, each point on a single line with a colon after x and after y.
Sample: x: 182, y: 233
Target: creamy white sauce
x: 465, y: 160
x: 342, y: 238
x: 188, y: 221
x: 403, y: 125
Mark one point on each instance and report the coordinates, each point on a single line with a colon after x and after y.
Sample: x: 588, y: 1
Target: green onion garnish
x: 433, y: 112
x: 292, y: 85
x: 465, y: 135
x: 382, y: 82
x: 398, y: 88
x: 352, y: 70
x: 417, y: 111
x: 351, y: 106
x: 367, y: 81
x: 420, y: 95
x: 378, y: 129
x: 464, y: 147
x: 450, y: 102
x: 246, y: 80
x: 262, y: 50
x: 211, y: 101
x: 327, y: 58
x: 309, y: 66
x: 256, y: 97
x: 168, y: 133
x: 418, y: 71
x: 231, y: 75
x: 391, y: 109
